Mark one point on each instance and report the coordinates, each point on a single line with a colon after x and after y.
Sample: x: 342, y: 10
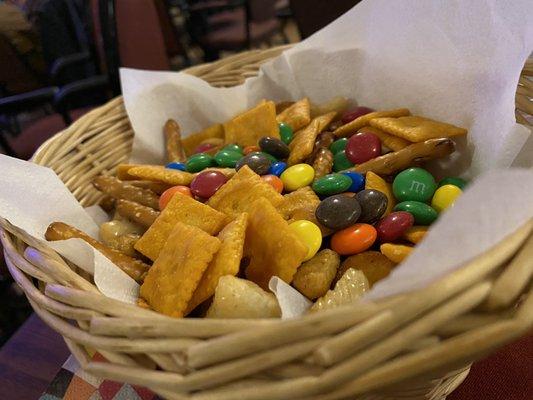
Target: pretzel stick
x: 136, y: 212
x: 175, y: 151
x: 120, y: 190
x: 322, y: 163
x: 413, y: 154
x: 156, y: 187
x: 134, y: 268
x: 107, y: 203
x: 125, y: 243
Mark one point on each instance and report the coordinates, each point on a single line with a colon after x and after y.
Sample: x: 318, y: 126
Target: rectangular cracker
x: 417, y: 129
x: 190, y: 142
x: 271, y: 246
x: 226, y: 262
x: 303, y: 143
x: 122, y: 171
x: 247, y: 128
x: 161, y: 174
x: 296, y: 115
x: 394, y: 143
x: 238, y: 194
x: 363, y: 120
x: 183, y: 209
x: 172, y: 280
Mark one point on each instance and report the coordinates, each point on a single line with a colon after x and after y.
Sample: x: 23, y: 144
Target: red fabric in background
x: 504, y: 375
x: 141, y: 43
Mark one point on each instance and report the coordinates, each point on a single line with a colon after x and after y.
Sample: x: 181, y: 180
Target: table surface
x: 34, y: 355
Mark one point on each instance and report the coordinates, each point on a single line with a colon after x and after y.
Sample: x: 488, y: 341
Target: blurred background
x: 60, y: 58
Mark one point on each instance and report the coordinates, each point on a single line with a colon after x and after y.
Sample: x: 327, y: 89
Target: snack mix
x: 327, y: 198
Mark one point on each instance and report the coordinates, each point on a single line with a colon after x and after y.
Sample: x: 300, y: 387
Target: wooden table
x: 30, y: 360
x: 34, y: 355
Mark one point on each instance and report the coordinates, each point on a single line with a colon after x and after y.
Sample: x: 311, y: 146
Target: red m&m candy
x: 394, y: 225
x: 363, y: 147
x: 206, y: 183
x: 355, y: 113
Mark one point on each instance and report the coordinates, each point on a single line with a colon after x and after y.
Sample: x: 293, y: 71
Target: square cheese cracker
x: 363, y: 120
x: 417, y: 129
x: 172, y: 280
x: 297, y: 115
x: 183, y: 209
x: 271, y: 246
x: 238, y: 194
x: 303, y: 142
x: 226, y: 262
x: 247, y: 128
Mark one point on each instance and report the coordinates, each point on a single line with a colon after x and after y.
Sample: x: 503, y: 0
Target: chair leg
x: 6, y: 146
x: 286, y: 39
x: 66, y: 117
x: 211, y: 54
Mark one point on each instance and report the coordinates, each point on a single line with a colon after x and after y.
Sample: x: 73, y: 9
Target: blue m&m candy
x: 277, y: 168
x: 358, y: 181
x: 176, y: 165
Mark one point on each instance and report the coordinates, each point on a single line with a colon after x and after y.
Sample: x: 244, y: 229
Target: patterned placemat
x: 72, y: 383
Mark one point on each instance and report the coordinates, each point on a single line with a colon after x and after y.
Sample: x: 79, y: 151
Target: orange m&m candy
x: 273, y: 181
x: 354, y: 239
x: 250, y: 149
x: 169, y: 193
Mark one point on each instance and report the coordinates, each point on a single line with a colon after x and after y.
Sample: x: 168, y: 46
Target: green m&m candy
x: 233, y: 147
x: 332, y: 184
x: 460, y: 183
x: 422, y: 213
x: 338, y: 145
x: 198, y: 162
x: 414, y: 184
x: 340, y: 162
x: 285, y: 133
x: 227, y: 158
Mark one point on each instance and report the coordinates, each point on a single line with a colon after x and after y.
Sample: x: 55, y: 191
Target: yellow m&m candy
x: 309, y: 234
x: 297, y: 176
x: 444, y: 197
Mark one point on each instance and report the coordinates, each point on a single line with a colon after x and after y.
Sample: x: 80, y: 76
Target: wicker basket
x: 415, y: 346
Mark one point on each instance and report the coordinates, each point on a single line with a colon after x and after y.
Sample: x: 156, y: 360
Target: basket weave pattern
x: 415, y: 346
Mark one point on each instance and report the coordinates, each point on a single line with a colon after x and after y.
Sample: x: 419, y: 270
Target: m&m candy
x: 338, y: 211
x: 363, y: 147
x: 445, y: 196
x: 169, y: 193
x: 414, y: 184
x: 227, y: 158
x: 297, y: 176
x: 331, y: 184
x: 273, y: 181
x: 206, y: 183
x: 176, y: 165
x: 309, y: 234
x: 198, y: 162
x: 277, y: 168
x: 353, y: 239
x: 422, y: 213
x: 285, y: 133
